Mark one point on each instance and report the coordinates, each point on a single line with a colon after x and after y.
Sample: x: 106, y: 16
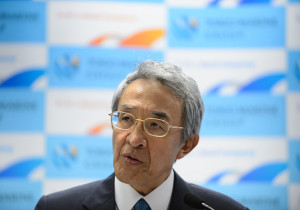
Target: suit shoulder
x: 81, y: 190
x: 69, y: 199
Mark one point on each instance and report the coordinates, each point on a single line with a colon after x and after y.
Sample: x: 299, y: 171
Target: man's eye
x: 126, y: 119
x: 155, y: 125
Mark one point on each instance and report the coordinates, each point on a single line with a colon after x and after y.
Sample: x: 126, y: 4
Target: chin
x: 122, y: 174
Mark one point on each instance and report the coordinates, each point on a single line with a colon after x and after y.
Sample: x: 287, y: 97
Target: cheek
x: 174, y: 150
x: 118, y: 140
x: 166, y: 153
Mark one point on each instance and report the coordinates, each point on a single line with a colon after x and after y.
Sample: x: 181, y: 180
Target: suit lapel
x: 103, y: 196
x: 180, y: 188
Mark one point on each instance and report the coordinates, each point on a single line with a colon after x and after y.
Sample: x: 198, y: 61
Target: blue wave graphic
x: 21, y: 169
x: 264, y: 173
x: 255, y: 1
x: 265, y: 83
x: 216, y: 2
x: 23, y: 79
x: 218, y: 88
x: 219, y: 176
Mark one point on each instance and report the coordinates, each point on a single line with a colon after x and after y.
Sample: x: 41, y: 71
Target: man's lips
x: 132, y: 159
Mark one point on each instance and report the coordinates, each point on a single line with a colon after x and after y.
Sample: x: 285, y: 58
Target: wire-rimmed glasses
x: 153, y: 126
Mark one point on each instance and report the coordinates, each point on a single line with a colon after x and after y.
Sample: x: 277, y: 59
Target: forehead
x: 150, y: 95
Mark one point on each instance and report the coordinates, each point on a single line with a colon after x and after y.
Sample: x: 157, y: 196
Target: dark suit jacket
x: 100, y: 195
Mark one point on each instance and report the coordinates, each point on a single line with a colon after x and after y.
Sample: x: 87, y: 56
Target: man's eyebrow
x: 126, y: 106
x: 162, y: 115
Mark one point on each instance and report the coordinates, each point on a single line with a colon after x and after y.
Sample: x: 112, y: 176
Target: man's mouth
x: 132, y: 160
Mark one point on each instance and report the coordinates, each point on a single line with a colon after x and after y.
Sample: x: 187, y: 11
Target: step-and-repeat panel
x: 60, y: 62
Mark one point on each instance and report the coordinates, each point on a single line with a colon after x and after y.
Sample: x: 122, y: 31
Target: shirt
x: 159, y: 199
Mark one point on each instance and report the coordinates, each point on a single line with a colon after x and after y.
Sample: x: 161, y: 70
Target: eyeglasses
x: 153, y: 126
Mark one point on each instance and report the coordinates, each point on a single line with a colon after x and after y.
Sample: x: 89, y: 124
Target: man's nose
x: 137, y: 136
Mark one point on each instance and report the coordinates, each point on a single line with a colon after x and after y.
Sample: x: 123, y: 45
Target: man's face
x: 141, y: 160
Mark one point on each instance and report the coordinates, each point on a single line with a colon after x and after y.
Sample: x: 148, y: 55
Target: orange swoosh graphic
x: 97, y: 129
x: 99, y: 40
x: 143, y: 39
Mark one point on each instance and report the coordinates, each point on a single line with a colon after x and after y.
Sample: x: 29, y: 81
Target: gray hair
x: 182, y: 86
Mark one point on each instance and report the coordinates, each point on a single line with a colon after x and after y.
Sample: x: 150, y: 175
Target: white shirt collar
x: 126, y: 196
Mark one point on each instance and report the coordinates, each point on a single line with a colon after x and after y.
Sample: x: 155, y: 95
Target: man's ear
x: 188, y: 146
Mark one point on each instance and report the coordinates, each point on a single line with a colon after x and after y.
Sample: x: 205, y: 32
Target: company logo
x: 67, y: 65
x: 64, y: 155
x: 185, y: 26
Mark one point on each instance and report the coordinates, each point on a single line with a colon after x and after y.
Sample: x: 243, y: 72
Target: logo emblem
x: 185, y: 26
x: 65, y: 155
x: 67, y: 65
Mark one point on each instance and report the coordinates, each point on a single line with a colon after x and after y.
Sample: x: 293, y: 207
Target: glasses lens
x: 122, y: 120
x: 156, y: 127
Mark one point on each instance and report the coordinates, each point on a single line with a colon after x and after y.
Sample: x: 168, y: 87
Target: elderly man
x: 156, y: 117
